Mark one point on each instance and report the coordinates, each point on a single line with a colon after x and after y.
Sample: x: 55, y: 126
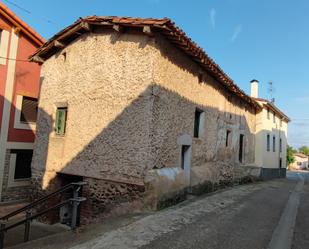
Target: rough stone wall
x: 129, y: 98
x: 181, y: 86
x: 105, y: 198
x: 12, y: 193
x: 106, y: 91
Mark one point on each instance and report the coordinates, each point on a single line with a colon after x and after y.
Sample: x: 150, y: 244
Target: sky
x: 267, y: 40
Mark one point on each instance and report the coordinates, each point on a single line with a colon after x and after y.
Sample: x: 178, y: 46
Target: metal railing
x: 74, y: 201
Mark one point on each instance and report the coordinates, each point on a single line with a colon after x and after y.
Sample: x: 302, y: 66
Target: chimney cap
x: 254, y: 80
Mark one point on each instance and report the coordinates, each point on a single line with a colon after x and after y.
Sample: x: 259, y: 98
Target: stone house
x: 141, y: 113
x: 19, y: 90
x: 271, y: 137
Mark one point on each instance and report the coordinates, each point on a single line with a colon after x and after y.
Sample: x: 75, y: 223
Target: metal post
x: 2, y: 227
x: 74, y: 208
x: 27, y: 226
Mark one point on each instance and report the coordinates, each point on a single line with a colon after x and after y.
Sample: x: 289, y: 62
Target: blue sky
x: 263, y: 39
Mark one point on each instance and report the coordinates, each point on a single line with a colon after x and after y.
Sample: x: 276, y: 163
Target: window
x: 60, y: 123
x: 22, y: 164
x: 29, y: 110
x: 197, y: 122
x: 280, y: 122
x: 280, y: 144
x: 280, y: 163
x: 241, y: 148
x: 268, y: 113
x: 228, y: 132
x: 274, y: 117
x: 268, y: 142
x: 274, y: 144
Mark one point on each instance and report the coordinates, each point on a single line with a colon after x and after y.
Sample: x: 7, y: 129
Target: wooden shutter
x: 29, y: 110
x: 60, y: 121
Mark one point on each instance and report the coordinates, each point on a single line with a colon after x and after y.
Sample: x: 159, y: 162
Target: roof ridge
x: 169, y: 29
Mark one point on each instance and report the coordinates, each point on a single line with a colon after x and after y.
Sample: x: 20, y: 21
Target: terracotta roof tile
x: 165, y: 26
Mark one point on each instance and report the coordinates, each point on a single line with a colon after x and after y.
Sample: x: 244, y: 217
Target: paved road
x: 270, y: 215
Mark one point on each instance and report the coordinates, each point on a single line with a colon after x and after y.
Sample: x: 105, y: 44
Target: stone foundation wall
x: 105, y: 199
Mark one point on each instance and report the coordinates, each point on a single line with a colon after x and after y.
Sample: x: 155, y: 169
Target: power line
x: 15, y: 59
x: 29, y: 12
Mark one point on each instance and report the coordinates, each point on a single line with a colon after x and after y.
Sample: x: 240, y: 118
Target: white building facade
x: 271, y: 137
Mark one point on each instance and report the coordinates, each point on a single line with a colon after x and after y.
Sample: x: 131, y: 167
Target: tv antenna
x: 271, y: 91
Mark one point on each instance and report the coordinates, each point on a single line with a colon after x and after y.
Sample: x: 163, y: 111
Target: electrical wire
x: 15, y: 59
x: 29, y: 12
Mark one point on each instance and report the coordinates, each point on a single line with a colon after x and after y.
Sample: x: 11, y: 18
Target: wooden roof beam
x: 37, y: 59
x: 118, y: 28
x: 147, y: 30
x: 58, y: 44
x: 86, y: 26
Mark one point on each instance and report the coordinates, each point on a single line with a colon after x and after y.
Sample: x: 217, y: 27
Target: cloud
x: 237, y: 31
x: 212, y: 16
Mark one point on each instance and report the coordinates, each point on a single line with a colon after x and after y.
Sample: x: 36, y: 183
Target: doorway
x: 241, y: 148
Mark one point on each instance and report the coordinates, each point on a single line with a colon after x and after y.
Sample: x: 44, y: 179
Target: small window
x: 268, y: 142
x: 268, y: 113
x: 280, y: 144
x: 23, y: 164
x: 274, y: 144
x: 185, y: 156
x: 227, y: 139
x: 29, y: 110
x: 241, y: 148
x: 280, y: 163
x: 197, y: 122
x: 274, y: 117
x: 60, y: 123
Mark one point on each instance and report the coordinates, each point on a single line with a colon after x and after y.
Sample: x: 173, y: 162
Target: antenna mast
x: 271, y: 91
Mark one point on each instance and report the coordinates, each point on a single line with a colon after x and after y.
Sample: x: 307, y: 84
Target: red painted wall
x: 3, y: 71
x: 26, y: 82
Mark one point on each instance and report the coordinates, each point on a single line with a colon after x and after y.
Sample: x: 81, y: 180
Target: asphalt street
x: 270, y: 215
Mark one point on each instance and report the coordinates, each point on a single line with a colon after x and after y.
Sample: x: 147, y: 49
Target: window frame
x: 274, y: 143
x: 18, y: 124
x: 198, y: 125
x: 57, y: 132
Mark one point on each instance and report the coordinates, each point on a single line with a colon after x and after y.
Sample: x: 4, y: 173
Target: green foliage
x: 290, y: 155
x: 304, y: 150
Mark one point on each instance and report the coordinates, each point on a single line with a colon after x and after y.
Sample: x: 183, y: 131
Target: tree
x: 304, y: 150
x: 290, y: 155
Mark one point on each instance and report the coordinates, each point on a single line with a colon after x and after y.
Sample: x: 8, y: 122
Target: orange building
x: 19, y: 90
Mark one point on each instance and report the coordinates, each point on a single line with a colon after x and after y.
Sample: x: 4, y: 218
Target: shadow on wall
x: 141, y: 139
x: 12, y: 188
